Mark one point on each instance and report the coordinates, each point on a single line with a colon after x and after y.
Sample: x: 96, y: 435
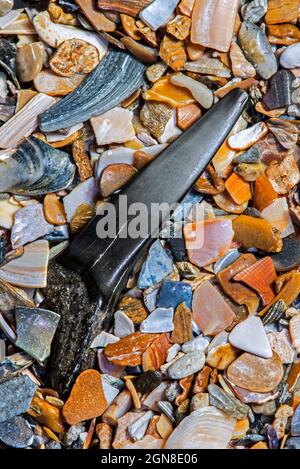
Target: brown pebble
x: 255, y: 373
x: 54, y: 210
x: 82, y: 160
x: 183, y: 331
x: 114, y: 177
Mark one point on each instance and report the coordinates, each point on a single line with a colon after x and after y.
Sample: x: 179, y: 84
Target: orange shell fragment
x: 288, y: 293
x: 47, y: 414
x: 282, y: 11
x: 260, y: 277
x: 256, y: 232
x: 163, y: 90
x: 87, y: 399
x: 187, y: 115
x: 238, y: 189
x: 128, y: 351
x: 264, y: 194
x: 155, y: 355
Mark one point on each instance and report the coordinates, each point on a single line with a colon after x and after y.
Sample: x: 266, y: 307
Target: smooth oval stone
x: 187, y: 365
x: 198, y: 343
x: 256, y: 374
x: 16, y: 432
x: 290, y: 57
x: 257, y: 49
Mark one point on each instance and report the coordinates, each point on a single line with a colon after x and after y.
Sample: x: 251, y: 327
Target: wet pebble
x: 15, y: 397
x: 16, y: 432
x: 187, y: 365
x: 290, y: 56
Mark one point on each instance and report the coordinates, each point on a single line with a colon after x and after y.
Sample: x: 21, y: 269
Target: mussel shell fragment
x: 39, y: 169
x: 115, y: 79
x: 289, y: 257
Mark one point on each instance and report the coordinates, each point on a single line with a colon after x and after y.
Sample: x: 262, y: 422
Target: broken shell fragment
x: 155, y: 355
x: 294, y: 328
x: 115, y: 79
x: 11, y: 297
x: 282, y: 12
x: 96, y: 17
x: 238, y: 189
x: 240, y: 65
x: 36, y: 168
x: 51, y: 84
x: 246, y: 138
x: 74, y: 56
x: 182, y: 332
x: 30, y: 59
x: 179, y: 27
x: 160, y: 320
x: 202, y: 94
x: 24, y: 122
x: 55, y: 34
x: 129, y: 7
x: 29, y: 225
x: 250, y: 336
x: 128, y: 351
x: 210, y: 320
x: 227, y: 403
x: 163, y: 90
x: 187, y: 115
x: 158, y: 13
x: 280, y: 90
x: 256, y: 232
x: 256, y: 374
x: 172, y: 52
x: 114, y: 126
x: 213, y: 23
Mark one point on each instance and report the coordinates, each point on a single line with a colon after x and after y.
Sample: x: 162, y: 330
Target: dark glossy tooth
x: 115, y: 79
x: 280, y: 91
x: 35, y: 169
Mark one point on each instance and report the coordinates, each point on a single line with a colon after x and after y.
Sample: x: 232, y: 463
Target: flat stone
x: 295, y: 427
x: 35, y: 331
x: 250, y: 336
x: 156, y: 267
x: 198, y: 343
x: 183, y: 329
x: 280, y: 90
x: 123, y: 324
x: 15, y: 397
x: 255, y: 373
x: 16, y: 432
x: 172, y: 352
x: 160, y: 320
x: 173, y: 293
x: 29, y: 225
x: 187, y: 365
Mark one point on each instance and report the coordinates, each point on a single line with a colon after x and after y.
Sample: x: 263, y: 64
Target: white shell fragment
x: 282, y: 345
x: 110, y: 392
x: 187, y: 365
x: 8, y: 208
x: 199, y: 343
x: 278, y: 214
x: 158, y: 13
x: 295, y: 332
x: 138, y: 429
x: 114, y: 126
x: 54, y: 33
x: 201, y: 92
x: 158, y: 394
x: 172, y: 352
x: 29, y: 225
x: 103, y: 339
x: 29, y: 270
x: 9, y: 18
x: 123, y: 324
x: 246, y: 138
x: 59, y: 136
x: 290, y: 57
x: 205, y: 428
x: 250, y: 336
x: 159, y: 321
x: 84, y: 193
x: 25, y: 121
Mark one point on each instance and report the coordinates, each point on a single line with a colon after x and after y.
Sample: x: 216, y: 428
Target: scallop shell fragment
x: 24, y: 122
x: 29, y: 225
x: 114, y: 80
x: 74, y: 56
x: 213, y: 23
x: 205, y: 428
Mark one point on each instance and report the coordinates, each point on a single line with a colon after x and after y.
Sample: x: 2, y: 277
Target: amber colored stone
x: 221, y: 356
x: 183, y: 331
x: 187, y: 115
x: 179, y: 27
x: 194, y: 51
x: 96, y: 17
x: 172, y: 52
x: 54, y: 210
x: 202, y: 380
x: 163, y: 90
x: 134, y: 394
x: 82, y: 160
x: 58, y: 15
x: 105, y: 435
x: 288, y: 293
x: 238, y: 189
x: 151, y: 429
x: 256, y: 232
x: 114, y: 177
x: 129, y: 7
x: 47, y: 414
x: 87, y: 399
x: 155, y: 355
x: 282, y: 11
x: 264, y: 194
x: 186, y: 7
x: 225, y: 202
x: 148, y: 35
x: 128, y: 351
x: 256, y: 374
x: 164, y: 426
x: 237, y: 291
x: 283, y: 34
x: 293, y: 377
x: 129, y: 101
x: 134, y: 309
x: 130, y: 27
